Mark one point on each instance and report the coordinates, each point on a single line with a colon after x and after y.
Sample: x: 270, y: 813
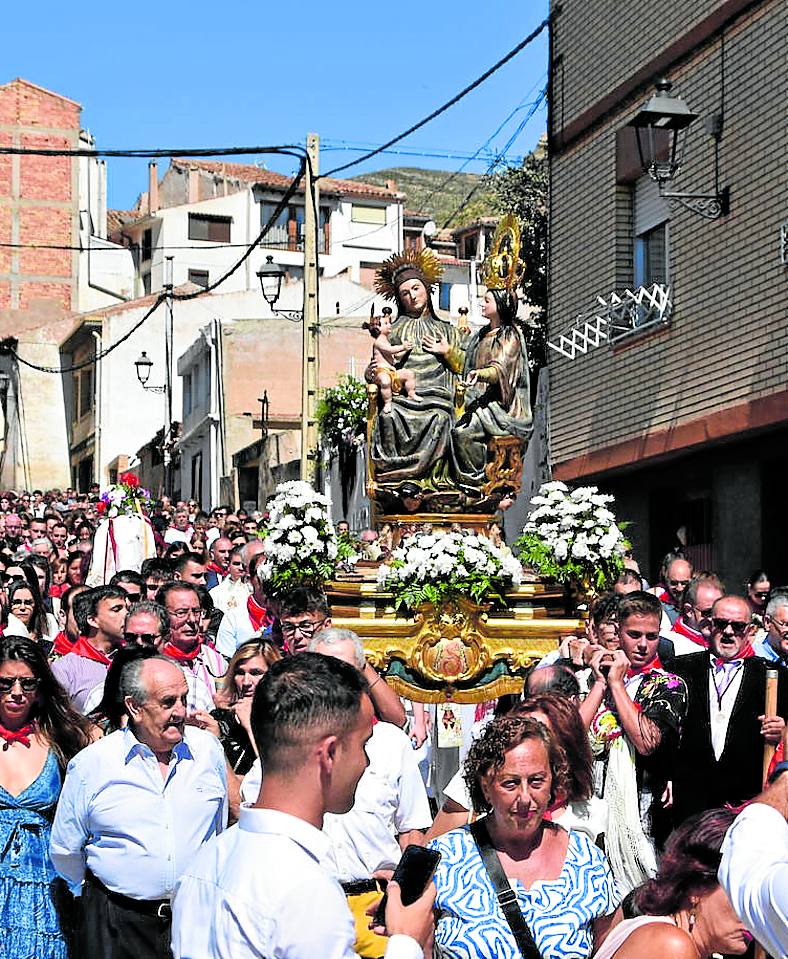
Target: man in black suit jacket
x: 720, y: 757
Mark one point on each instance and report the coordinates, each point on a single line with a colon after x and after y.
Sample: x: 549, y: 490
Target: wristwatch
x: 778, y: 770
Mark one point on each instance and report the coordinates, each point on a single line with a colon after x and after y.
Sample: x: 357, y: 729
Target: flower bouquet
x: 342, y: 414
x: 572, y: 536
x: 440, y: 567
x: 124, y: 537
x: 299, y: 542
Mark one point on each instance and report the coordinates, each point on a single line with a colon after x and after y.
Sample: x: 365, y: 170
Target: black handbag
x: 504, y: 891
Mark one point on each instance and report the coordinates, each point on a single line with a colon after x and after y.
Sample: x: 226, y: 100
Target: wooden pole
x: 310, y: 374
x: 770, y: 709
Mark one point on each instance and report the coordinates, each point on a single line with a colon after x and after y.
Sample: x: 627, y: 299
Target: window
x: 83, y: 393
x: 444, y: 297
x: 196, y: 476
x: 360, y: 213
x: 187, y: 394
x: 199, y: 278
x: 650, y: 234
x: 147, y: 244
x: 146, y: 284
x: 213, y: 228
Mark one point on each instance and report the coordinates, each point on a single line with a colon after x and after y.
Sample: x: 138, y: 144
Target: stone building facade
x: 685, y: 421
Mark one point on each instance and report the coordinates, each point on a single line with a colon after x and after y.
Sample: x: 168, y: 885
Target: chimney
x: 194, y: 185
x: 153, y: 188
x: 391, y: 185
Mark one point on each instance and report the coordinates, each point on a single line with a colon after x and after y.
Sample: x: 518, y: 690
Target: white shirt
x: 234, y: 629
x: 390, y: 799
x: 134, y: 830
x: 230, y: 594
x: 172, y: 535
x: 720, y: 708
x: 261, y: 891
x: 754, y: 874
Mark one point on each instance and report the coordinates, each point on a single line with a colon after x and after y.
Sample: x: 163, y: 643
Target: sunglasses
x: 148, y: 638
x: 28, y: 684
x: 761, y: 593
x: 679, y: 582
x: 738, y: 627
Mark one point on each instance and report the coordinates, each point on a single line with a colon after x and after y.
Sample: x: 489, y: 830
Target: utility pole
x: 169, y: 349
x: 310, y: 344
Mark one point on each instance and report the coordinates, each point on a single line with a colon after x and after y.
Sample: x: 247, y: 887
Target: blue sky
x: 205, y: 75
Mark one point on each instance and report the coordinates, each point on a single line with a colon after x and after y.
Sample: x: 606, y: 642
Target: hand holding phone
x: 413, y: 873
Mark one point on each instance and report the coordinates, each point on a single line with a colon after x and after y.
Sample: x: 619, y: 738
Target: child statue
x: 389, y: 378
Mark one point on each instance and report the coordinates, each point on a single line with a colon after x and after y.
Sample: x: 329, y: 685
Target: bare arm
x: 413, y: 837
x: 386, y: 702
x: 644, y: 734
x: 450, y: 816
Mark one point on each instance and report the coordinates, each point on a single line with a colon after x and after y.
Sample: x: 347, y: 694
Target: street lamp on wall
x: 143, y: 365
x: 661, y: 129
x: 270, y: 276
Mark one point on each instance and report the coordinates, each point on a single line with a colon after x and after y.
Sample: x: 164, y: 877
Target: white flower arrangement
x: 572, y: 535
x: 436, y: 567
x: 300, y: 543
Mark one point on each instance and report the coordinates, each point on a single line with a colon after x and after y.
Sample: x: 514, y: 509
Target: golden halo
x: 424, y: 262
x: 503, y: 268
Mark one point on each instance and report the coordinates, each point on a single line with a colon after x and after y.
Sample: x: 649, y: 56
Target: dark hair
x: 175, y: 550
x: 304, y: 599
x: 606, y: 608
x: 34, y: 560
x: 568, y: 729
x: 639, y: 603
x: 488, y: 753
x: 702, y: 578
x: 300, y: 699
x: 756, y: 576
x: 556, y: 677
x: 97, y: 595
x: 65, y: 729
x: 127, y: 576
x: 688, y: 866
x: 629, y: 576
x: 188, y: 557
x: 506, y: 305
x: 372, y: 326
x: 206, y: 600
x: 112, y: 707
x: 39, y: 627
x: 81, y: 606
x: 154, y: 609
x: 160, y: 568
x: 172, y: 586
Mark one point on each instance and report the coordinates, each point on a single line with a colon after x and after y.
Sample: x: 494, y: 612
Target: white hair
x: 334, y: 636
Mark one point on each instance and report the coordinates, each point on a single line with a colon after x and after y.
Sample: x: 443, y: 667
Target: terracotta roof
x: 418, y: 214
x: 141, y: 302
x: 248, y: 173
x: 476, y: 224
x: 118, y: 218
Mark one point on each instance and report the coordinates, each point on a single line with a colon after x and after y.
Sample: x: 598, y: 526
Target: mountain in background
x: 433, y: 192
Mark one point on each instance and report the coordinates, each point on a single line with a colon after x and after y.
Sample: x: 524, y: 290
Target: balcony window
x: 362, y: 213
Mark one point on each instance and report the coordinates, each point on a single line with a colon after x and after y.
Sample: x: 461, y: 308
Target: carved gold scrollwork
x: 449, y: 647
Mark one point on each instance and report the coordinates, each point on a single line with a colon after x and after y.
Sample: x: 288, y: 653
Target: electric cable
x: 449, y: 103
x: 156, y: 154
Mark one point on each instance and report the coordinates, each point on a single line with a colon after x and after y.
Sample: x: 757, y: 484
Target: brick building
x: 685, y: 420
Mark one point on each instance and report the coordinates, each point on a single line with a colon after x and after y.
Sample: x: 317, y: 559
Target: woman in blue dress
x: 39, y: 733
x: 562, y: 882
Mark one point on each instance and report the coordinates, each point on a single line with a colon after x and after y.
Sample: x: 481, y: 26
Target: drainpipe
x: 97, y: 412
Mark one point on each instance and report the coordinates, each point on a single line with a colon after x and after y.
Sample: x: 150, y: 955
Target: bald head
x: 220, y: 551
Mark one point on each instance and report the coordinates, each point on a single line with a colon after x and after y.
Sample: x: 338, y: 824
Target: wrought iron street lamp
x: 661, y: 129
x: 270, y: 276
x: 143, y: 366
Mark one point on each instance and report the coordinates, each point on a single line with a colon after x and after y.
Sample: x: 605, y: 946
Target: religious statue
x: 385, y: 356
x: 457, y: 444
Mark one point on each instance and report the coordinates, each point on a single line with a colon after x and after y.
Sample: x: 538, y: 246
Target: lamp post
x: 661, y: 128
x: 143, y: 364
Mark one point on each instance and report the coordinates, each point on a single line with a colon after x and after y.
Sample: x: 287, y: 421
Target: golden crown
x: 424, y: 262
x: 503, y: 268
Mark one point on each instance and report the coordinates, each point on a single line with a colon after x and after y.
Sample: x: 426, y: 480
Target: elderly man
x: 202, y: 665
x: 147, y: 624
x: 100, y: 614
x: 312, y: 748
x: 181, y: 530
x: 676, y: 576
x: 690, y: 632
x: 720, y: 757
x: 135, y: 808
x: 773, y: 646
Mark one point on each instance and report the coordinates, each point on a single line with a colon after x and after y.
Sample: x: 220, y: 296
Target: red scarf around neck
x: 169, y: 649
x: 654, y: 666
x: 83, y: 647
x: 21, y: 735
x: 216, y: 568
x: 62, y: 644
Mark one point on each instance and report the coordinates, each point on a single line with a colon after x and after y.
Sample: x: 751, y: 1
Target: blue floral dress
x: 559, y: 912
x: 29, y: 923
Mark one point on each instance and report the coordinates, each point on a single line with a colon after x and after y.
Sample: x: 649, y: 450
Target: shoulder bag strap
x: 504, y: 891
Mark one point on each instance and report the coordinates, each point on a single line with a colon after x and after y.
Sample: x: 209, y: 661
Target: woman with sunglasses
x: 39, y: 734
x: 758, y: 588
x: 26, y: 615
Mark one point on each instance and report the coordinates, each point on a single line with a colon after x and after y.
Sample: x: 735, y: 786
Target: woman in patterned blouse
x: 515, y: 773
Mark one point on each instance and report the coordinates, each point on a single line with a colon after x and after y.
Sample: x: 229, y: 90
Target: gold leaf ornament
x: 424, y: 262
x: 503, y: 268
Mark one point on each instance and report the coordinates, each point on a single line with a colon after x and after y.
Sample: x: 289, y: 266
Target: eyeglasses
x: 149, y: 639
x: 132, y: 597
x: 761, y: 593
x: 777, y: 623
x: 22, y: 602
x: 183, y: 614
x: 28, y: 684
x: 704, y: 613
x: 306, y: 627
x: 738, y: 627
x: 679, y: 582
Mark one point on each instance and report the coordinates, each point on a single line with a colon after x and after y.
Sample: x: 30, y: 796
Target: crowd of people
x: 600, y: 814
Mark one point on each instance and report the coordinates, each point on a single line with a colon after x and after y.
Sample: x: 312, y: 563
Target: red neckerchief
x: 664, y: 597
x: 21, y: 735
x: 216, y: 568
x: 683, y: 629
x: 173, y: 652
x: 259, y: 616
x: 62, y: 644
x: 84, y: 648
x: 654, y: 666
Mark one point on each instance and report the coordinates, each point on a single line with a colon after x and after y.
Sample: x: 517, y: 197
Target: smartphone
x: 414, y: 870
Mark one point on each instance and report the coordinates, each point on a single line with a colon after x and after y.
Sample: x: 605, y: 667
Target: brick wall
x: 727, y: 343
x: 38, y: 201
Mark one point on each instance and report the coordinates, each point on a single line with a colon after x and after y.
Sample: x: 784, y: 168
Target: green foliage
x: 342, y: 413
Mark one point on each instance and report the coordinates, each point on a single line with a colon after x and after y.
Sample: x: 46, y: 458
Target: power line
x: 449, y: 103
x: 6, y: 346
x: 158, y: 154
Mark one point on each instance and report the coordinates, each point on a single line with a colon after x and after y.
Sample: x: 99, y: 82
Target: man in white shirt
x: 311, y: 717
x: 391, y: 809
x: 181, y: 530
x: 134, y: 809
x: 754, y: 867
